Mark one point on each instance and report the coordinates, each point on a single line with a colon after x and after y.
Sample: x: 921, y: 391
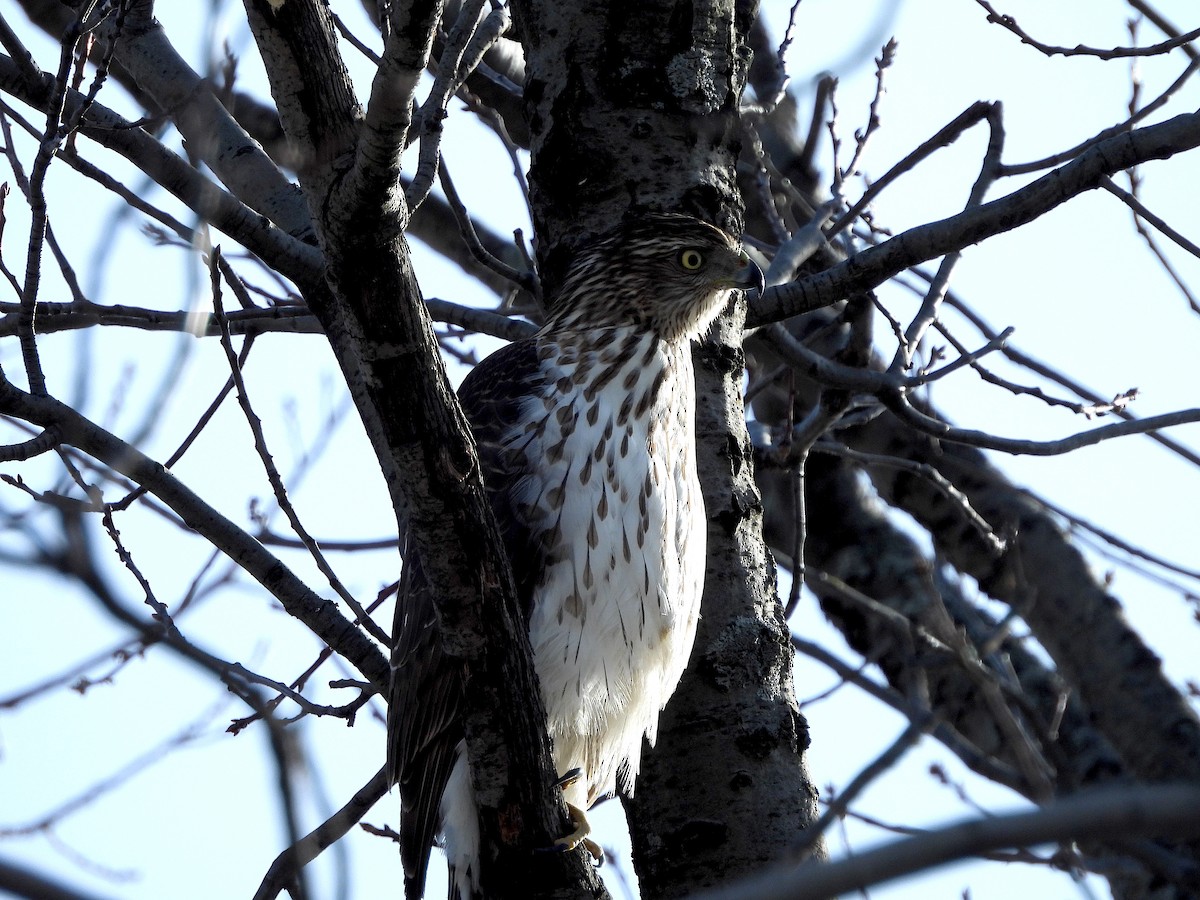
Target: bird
x: 586, y: 439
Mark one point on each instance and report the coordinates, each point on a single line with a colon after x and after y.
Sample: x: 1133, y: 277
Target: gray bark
x: 633, y: 106
x: 614, y: 93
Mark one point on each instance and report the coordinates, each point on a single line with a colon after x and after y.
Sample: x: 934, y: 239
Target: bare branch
x: 218, y: 265
x: 1140, y: 213
x: 875, y: 265
x: 297, y: 319
x: 985, y: 763
x: 408, y: 39
x: 45, y: 442
x: 287, y: 865
x: 23, y: 882
x: 299, y: 261
x: 943, y: 138
x: 935, y: 478
x: 930, y: 305
x: 908, y: 414
x: 1162, y: 24
x: 525, y: 280
x: 1120, y: 128
x: 211, y: 132
x: 861, y: 138
x: 433, y: 110
x: 1010, y: 23
x: 1116, y: 814
x: 1094, y: 399
x: 321, y: 616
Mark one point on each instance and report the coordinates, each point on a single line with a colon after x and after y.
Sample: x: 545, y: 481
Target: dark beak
x: 749, y: 277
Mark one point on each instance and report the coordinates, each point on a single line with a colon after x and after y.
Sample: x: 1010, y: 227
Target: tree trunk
x: 633, y: 105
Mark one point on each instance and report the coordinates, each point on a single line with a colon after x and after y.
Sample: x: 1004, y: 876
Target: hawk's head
x: 668, y: 273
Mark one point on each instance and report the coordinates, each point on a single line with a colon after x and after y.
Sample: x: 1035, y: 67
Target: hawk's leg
x: 579, y: 820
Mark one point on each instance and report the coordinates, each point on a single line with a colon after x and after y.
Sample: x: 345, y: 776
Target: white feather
x: 608, y: 653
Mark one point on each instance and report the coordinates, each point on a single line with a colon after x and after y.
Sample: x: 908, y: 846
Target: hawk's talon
x: 595, y: 850
x: 579, y: 837
x: 616, y: 348
x: 568, y: 778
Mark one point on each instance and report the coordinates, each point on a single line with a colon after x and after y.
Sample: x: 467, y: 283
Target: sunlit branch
x: 211, y: 131
x: 272, y: 473
x: 295, y: 319
x: 1121, y: 813
x: 876, y: 265
x: 899, y: 405
x: 319, y: 614
x: 287, y: 865
x: 386, y: 126
x: 1010, y: 23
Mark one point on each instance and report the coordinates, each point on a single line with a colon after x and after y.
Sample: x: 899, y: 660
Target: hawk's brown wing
x: 424, y: 719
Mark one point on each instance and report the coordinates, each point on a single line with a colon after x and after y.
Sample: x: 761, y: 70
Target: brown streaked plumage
x: 586, y: 439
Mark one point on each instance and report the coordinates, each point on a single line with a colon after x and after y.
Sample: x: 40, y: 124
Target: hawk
x: 586, y: 437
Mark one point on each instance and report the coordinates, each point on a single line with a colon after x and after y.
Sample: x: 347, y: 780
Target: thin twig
x: 996, y: 544
x: 1142, y: 214
x: 1144, y: 112
x: 287, y: 865
x: 931, y: 304
x: 875, y: 265
x: 1008, y: 22
x: 861, y: 138
x: 871, y: 772
x: 433, y: 110
x: 1163, y: 25
x: 277, y: 486
x: 1019, y: 446
x: 945, y: 136
x: 1105, y: 814
x: 1098, y: 403
x: 972, y: 756
x: 466, y: 227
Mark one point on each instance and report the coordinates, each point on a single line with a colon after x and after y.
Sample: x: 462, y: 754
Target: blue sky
x: 1078, y: 286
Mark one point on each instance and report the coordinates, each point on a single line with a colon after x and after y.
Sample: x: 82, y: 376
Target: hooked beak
x: 749, y: 277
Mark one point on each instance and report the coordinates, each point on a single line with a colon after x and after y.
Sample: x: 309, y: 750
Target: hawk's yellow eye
x: 691, y: 259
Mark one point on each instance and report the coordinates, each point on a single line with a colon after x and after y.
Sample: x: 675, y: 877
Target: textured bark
x: 381, y: 333
x: 1002, y: 704
x: 726, y: 790
x: 1049, y: 584
x: 632, y: 106
x: 873, y: 266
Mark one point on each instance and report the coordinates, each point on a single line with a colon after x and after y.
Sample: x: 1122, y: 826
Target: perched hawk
x: 586, y: 435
